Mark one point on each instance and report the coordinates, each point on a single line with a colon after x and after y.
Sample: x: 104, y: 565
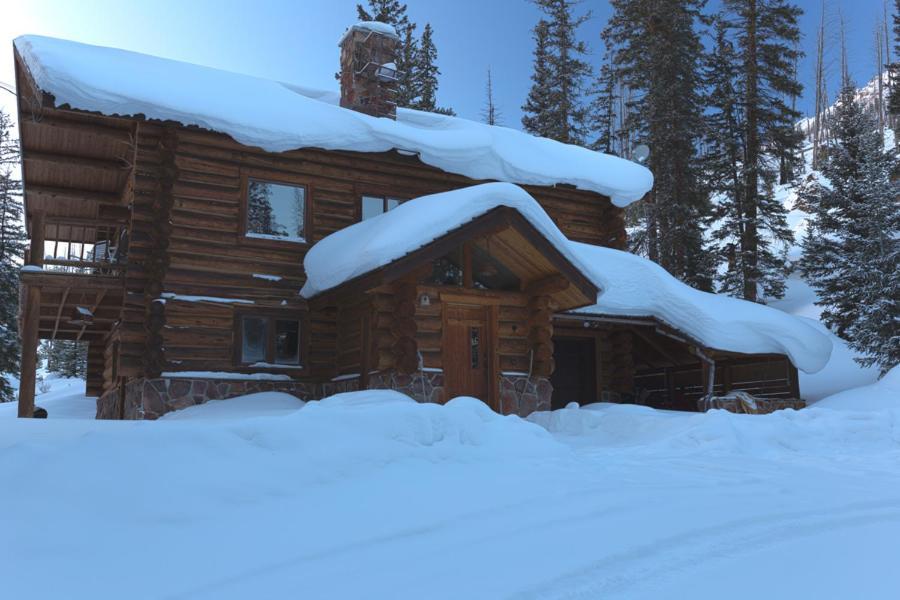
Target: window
x: 372, y: 206
x: 269, y: 340
x: 276, y: 211
x: 485, y: 272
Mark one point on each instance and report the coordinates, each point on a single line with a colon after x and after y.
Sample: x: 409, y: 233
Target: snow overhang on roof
x: 278, y: 117
x: 636, y: 287
x: 356, y: 251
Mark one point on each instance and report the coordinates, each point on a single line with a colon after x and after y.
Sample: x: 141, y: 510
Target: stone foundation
x: 425, y: 386
x: 521, y: 395
x: 152, y: 398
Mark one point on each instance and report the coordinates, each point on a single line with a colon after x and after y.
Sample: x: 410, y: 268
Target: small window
x: 276, y: 211
x: 447, y: 270
x: 270, y: 340
x: 372, y: 206
x: 287, y: 342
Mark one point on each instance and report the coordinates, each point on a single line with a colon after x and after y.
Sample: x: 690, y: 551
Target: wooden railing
x: 83, y: 246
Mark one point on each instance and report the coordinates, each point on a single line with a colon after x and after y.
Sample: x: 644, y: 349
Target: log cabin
x: 209, y: 234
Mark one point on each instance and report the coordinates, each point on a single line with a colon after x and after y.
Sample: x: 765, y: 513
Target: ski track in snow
x: 651, y: 563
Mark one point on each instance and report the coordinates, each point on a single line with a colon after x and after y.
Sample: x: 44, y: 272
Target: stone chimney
x: 368, y: 69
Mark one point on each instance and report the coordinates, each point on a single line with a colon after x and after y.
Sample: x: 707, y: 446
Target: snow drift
x: 632, y: 286
x: 277, y: 117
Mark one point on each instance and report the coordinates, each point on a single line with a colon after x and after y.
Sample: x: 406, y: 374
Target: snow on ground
x: 371, y: 495
x: 841, y: 372
x: 881, y: 395
x: 63, y: 399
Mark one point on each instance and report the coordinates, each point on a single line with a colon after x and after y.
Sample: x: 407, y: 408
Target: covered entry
x: 468, y: 311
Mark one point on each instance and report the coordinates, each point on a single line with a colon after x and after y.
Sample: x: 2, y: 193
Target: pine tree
x: 538, y: 105
x: 894, y: 70
x: 66, y: 358
x: 12, y: 249
x: 767, y: 37
x: 656, y: 52
x: 260, y: 218
x: 851, y: 253
x: 426, y: 72
x: 490, y: 114
x: 555, y: 106
x: 603, y: 110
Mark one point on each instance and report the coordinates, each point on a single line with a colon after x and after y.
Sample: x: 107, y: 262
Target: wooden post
x: 36, y: 256
x: 32, y: 312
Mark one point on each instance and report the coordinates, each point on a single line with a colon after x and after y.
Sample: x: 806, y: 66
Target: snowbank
x: 884, y: 394
x: 778, y: 434
x: 635, y: 503
x: 375, y: 242
x: 636, y: 287
x: 279, y: 117
x: 262, y: 404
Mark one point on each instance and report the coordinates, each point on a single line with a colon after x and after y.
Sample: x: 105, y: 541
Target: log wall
x: 196, y: 178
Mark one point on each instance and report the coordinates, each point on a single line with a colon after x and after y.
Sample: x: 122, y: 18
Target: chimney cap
x: 372, y: 27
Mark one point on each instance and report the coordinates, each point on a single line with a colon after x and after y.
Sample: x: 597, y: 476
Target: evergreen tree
x: 12, y: 249
x: 657, y: 53
x: 767, y: 37
x: 260, y: 218
x: 555, y: 106
x: 490, y: 114
x: 723, y: 166
x: 66, y: 358
x: 894, y: 70
x: 851, y: 253
x: 603, y: 110
x: 538, y: 105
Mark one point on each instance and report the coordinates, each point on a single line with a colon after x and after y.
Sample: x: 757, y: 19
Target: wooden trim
x: 248, y: 173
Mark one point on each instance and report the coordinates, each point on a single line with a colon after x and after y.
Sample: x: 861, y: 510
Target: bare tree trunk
x: 750, y: 241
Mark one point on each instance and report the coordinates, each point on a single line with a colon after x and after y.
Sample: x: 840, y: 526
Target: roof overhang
x: 543, y: 268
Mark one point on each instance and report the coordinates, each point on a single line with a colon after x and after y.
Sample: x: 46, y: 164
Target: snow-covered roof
x: 379, y: 241
x: 278, y: 117
x: 632, y: 286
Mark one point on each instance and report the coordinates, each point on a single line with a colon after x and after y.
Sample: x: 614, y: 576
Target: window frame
x: 270, y: 316
x: 385, y: 197
x: 279, y: 179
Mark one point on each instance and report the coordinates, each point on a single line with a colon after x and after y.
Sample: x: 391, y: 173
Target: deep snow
x: 372, y: 495
x: 277, y: 116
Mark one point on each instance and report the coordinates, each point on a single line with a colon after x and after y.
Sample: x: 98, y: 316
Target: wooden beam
x: 33, y: 191
x: 62, y: 304
x: 100, y: 294
x: 78, y: 162
x: 552, y: 284
x: 656, y: 346
x: 81, y: 282
x: 36, y: 255
x: 29, y: 335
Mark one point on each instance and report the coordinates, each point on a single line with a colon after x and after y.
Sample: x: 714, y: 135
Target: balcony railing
x: 75, y: 246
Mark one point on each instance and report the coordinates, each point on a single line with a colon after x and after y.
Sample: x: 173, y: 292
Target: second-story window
x: 276, y: 211
x: 372, y: 206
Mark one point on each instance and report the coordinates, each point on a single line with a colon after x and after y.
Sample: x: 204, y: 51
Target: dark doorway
x: 574, y: 376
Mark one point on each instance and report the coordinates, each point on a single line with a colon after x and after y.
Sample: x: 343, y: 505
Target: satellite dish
x: 641, y: 153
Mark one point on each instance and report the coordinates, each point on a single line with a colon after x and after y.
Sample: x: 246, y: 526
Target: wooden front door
x: 467, y: 351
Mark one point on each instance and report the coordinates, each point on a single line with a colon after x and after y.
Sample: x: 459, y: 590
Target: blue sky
x: 296, y: 41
